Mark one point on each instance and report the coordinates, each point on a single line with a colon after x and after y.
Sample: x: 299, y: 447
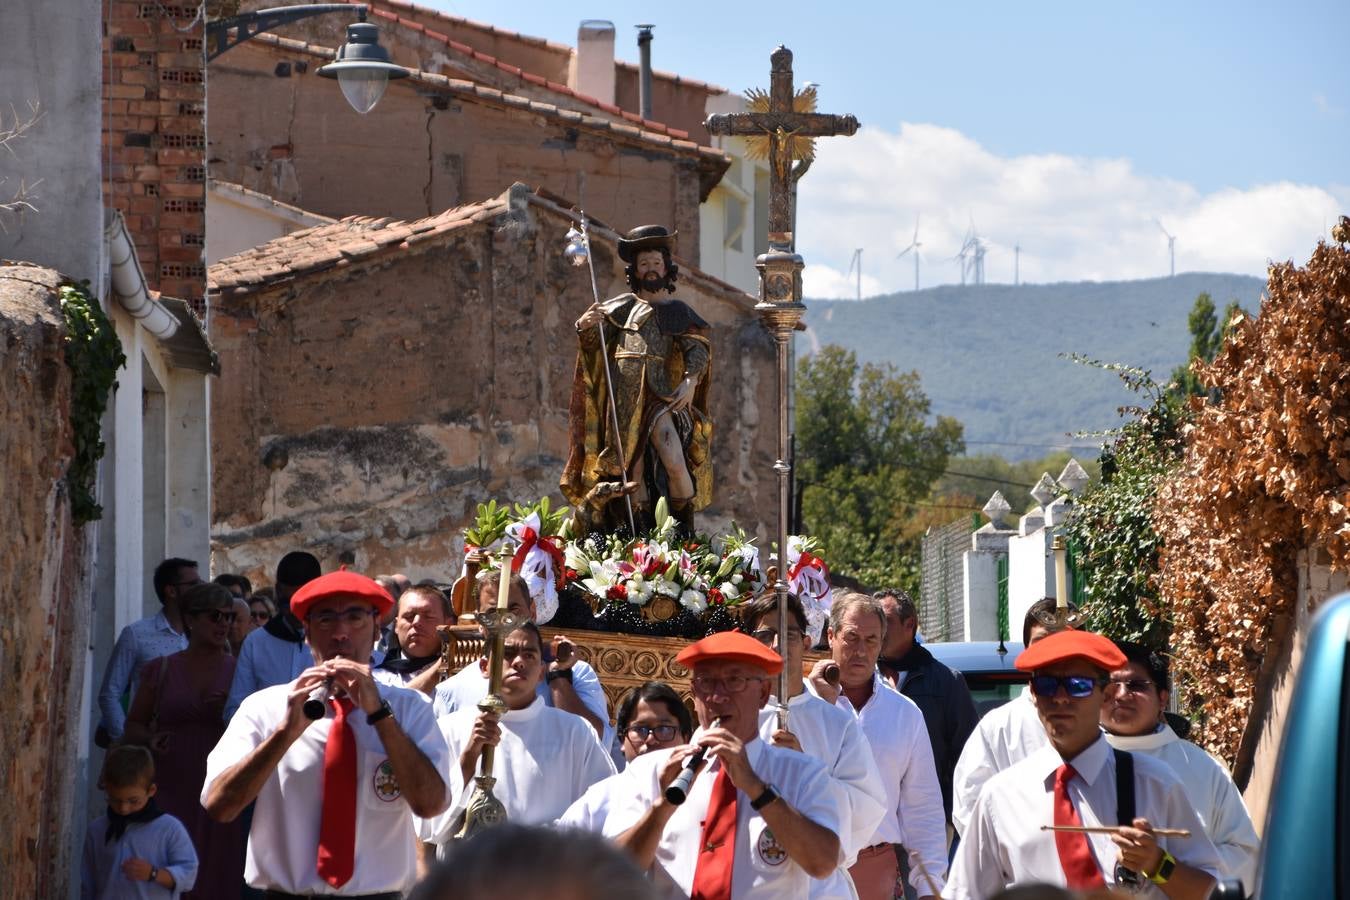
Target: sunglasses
x: 1133, y: 686
x: 663, y: 732
x: 1076, y: 686
x: 261, y: 616
x: 217, y: 616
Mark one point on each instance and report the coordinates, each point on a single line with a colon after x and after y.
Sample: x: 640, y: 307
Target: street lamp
x: 362, y: 67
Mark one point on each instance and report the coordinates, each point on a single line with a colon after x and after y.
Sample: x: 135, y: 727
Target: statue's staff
x: 579, y: 250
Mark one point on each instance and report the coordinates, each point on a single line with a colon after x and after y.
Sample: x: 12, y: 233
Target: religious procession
x: 462, y: 485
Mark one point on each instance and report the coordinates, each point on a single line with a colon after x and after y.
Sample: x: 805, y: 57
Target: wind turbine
x: 856, y: 262
x: 972, y: 256
x: 1017, y: 264
x: 1171, y: 248
x: 913, y: 245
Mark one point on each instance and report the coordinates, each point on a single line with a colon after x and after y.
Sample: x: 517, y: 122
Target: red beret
x: 732, y: 646
x: 340, y: 584
x: 1064, y: 645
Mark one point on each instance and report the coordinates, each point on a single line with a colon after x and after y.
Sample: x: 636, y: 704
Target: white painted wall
x: 238, y: 219
x: 1031, y: 573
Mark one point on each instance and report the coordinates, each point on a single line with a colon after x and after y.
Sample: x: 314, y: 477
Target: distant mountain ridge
x: 989, y: 354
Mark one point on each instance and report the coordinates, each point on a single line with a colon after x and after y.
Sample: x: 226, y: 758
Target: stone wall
x: 369, y: 410
x: 44, y: 608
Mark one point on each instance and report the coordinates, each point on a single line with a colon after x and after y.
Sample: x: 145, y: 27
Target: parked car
x: 1306, y: 840
x: 987, y: 667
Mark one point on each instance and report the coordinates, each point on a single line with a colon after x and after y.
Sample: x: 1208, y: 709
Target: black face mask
x: 117, y: 823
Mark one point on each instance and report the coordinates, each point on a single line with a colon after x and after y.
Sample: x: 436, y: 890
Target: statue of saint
x: 659, y: 360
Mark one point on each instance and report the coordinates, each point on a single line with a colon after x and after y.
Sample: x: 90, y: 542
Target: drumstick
x: 1090, y: 829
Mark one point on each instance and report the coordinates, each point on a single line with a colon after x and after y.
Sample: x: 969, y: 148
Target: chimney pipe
x: 645, y: 70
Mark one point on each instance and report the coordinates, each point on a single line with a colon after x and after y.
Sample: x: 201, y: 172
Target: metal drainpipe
x: 645, y: 70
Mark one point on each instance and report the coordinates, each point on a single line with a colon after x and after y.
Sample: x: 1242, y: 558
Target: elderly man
x: 545, y: 758
x: 340, y: 790
x: 569, y: 683
x: 1022, y: 828
x: 940, y: 693
x: 1006, y: 734
x: 896, y: 734
x: 1133, y: 718
x: 823, y: 730
x: 759, y: 821
x: 277, y: 652
x: 416, y: 663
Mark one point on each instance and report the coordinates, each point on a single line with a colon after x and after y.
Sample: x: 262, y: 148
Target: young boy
x: 136, y: 850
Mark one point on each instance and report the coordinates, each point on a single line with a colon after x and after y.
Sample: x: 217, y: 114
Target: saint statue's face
x: 650, y: 266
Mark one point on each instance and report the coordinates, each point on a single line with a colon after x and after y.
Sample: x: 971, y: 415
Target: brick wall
x: 154, y: 138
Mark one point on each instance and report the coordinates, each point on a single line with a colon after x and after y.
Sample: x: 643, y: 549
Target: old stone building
x: 389, y: 375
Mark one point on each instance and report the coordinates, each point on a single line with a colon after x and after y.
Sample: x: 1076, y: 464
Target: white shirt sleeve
x: 974, y: 767
x: 439, y: 829
x: 1231, y: 827
x: 856, y: 771
x: 242, y: 734
x: 979, y: 869
x: 923, y: 820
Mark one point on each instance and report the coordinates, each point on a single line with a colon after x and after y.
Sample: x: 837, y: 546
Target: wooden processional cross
x: 788, y: 123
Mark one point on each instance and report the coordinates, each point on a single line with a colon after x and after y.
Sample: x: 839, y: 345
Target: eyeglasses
x: 640, y: 733
x: 1133, y: 685
x: 260, y: 616
x: 767, y: 636
x: 1076, y: 686
x: 352, y: 617
x: 731, y: 684
x: 188, y: 584
x: 217, y: 616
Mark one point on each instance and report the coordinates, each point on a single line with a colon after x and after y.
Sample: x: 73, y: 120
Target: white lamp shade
x: 363, y: 87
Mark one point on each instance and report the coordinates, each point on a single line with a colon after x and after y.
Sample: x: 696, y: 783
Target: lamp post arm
x: 223, y: 34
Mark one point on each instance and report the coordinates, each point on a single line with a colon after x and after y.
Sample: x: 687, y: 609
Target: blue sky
x: 1216, y: 118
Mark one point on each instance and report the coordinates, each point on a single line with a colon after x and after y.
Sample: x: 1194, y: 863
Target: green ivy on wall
x: 93, y: 354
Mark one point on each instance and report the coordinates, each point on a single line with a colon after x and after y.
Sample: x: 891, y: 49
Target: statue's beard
x: 652, y: 283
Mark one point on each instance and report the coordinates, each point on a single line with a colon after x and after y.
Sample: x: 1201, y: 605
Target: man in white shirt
x: 1008, y: 733
x: 545, y: 758
x: 827, y: 732
x: 1027, y: 825
x: 1133, y: 718
x: 335, y: 796
x: 277, y: 652
x: 422, y: 609
x: 758, y: 821
x: 569, y: 683
x: 895, y: 731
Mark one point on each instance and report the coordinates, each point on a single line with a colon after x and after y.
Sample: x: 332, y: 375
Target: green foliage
x: 1207, y: 336
x: 866, y: 453
x: 489, y: 525
x: 93, y: 355
x: 1115, y: 547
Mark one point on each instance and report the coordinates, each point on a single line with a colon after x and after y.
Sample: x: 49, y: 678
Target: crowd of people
x: 300, y: 741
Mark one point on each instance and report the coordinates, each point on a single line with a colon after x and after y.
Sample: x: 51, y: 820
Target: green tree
x: 1207, y: 335
x: 866, y: 454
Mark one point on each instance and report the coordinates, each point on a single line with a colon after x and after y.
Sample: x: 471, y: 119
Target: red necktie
x: 1075, y: 852
x: 337, y: 828
x: 717, y: 854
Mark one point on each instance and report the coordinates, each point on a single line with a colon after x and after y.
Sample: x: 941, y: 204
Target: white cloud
x: 1075, y: 218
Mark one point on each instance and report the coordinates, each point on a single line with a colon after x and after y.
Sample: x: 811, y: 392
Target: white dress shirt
x: 547, y: 758
x: 832, y: 735
x: 284, y: 839
x: 1006, y: 845
x: 1007, y: 734
x: 1213, y: 794
x: 898, y: 736
x: 760, y: 870
x: 469, y: 685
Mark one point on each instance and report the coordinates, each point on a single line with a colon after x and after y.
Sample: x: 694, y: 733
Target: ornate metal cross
x: 789, y: 130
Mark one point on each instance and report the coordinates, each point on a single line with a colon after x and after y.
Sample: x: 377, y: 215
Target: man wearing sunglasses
x: 758, y: 821
x: 1134, y: 721
x: 1022, y: 827
x: 335, y: 795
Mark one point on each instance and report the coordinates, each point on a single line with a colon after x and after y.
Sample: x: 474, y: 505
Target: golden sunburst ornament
x: 804, y: 101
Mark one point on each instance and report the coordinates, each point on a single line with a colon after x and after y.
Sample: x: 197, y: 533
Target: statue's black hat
x: 646, y: 237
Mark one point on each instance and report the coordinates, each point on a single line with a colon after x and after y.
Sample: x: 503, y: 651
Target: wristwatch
x: 556, y: 674
x: 384, y: 712
x: 770, y: 794
x: 1165, y: 868
x: 154, y: 874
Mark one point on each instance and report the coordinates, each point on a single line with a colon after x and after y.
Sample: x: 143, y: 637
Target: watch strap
x: 558, y: 673
x: 384, y: 712
x: 154, y: 874
x: 769, y: 795
x: 1165, y: 867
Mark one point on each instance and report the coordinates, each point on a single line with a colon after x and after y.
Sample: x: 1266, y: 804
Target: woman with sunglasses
x: 177, y: 714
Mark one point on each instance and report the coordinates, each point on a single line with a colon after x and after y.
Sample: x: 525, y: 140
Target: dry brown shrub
x: 1266, y: 473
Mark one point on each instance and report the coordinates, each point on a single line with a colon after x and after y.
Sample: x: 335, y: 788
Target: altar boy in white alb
x: 545, y: 758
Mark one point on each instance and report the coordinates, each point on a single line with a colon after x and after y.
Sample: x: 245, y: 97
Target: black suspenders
x: 1124, y: 787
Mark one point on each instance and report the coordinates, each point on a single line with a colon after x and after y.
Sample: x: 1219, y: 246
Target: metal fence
x: 941, y: 588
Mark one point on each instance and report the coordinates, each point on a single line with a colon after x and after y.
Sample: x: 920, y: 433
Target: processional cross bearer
x: 788, y: 123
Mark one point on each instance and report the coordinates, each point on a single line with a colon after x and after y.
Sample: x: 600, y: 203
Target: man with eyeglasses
x: 149, y: 638
x: 758, y: 821
x: 893, y: 725
x: 1133, y: 718
x: 335, y: 797
x: 823, y: 730
x: 277, y: 652
x: 1027, y: 825
x: 545, y: 759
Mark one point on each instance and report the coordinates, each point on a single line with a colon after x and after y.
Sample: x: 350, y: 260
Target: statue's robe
x: 652, y: 348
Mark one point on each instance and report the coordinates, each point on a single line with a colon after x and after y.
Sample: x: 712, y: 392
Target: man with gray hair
x: 895, y: 730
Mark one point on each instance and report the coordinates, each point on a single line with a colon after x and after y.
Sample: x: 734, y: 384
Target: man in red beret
x: 344, y: 785
x: 759, y: 820
x: 1077, y: 781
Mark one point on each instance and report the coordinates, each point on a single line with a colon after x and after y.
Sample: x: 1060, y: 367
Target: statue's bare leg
x: 671, y: 453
